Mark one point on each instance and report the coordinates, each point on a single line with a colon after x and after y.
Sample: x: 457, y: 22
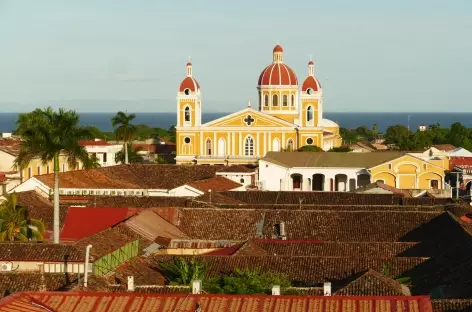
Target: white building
x: 104, y: 151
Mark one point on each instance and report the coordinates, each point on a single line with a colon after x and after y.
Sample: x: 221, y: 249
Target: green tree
x: 341, y: 149
x: 172, y: 133
x: 46, y: 134
x: 133, y: 155
x: 160, y: 160
x: 457, y: 134
x: 15, y: 224
x: 91, y: 162
x: 182, y: 272
x: 400, y: 136
x: 311, y: 148
x: 124, y: 130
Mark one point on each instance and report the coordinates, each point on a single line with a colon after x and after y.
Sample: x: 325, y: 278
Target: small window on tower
x: 293, y: 101
x: 187, y: 113
x: 266, y: 100
x: 275, y: 100
x: 187, y: 140
x: 285, y: 100
x: 309, y: 141
x: 187, y: 91
x: 309, y: 91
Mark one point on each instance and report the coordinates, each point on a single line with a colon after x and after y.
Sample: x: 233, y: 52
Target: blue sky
x: 107, y: 55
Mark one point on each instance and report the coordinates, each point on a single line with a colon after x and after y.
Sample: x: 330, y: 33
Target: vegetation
x: 15, y: 224
x: 310, y: 148
x: 341, y: 149
x: 46, y: 134
x: 133, y: 155
x: 124, y: 130
x: 160, y: 160
x: 91, y: 162
x: 182, y: 272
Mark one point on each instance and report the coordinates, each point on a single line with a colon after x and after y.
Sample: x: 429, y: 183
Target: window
x: 293, y: 100
x: 266, y: 100
x: 187, y: 113
x: 389, y: 166
x: 242, y: 180
x: 187, y: 91
x: 290, y: 145
x: 249, y: 146
x: 105, y: 157
x: 29, y: 172
x: 208, y: 146
x: 275, y: 100
x: 434, y: 184
x: 63, y: 167
x: 275, y: 145
x: 39, y: 170
x: 309, y: 91
x: 309, y: 141
x: 380, y: 181
x: 285, y: 100
x: 47, y: 169
x: 187, y: 140
x: 309, y: 114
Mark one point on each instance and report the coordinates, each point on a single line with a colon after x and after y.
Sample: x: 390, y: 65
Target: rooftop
x: 238, y: 169
x: 323, y: 159
x: 120, y: 302
x: 40, y: 252
x: 214, y: 184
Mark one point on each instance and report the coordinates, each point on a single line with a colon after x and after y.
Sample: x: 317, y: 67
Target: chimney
x: 196, y: 287
x: 327, y: 289
x: 130, y: 283
x: 276, y: 290
x: 283, y: 234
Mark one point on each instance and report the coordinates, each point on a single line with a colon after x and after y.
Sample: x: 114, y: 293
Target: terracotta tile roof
x: 13, y: 282
x: 39, y: 252
x: 238, y: 169
x: 140, y: 268
x: 348, y: 226
x: 134, y: 176
x: 215, y: 198
x: 11, y: 147
x: 449, y: 305
x: 381, y: 185
x: 121, y: 302
x: 301, y: 248
x: 137, y: 202
x: 214, y: 184
x: 300, y: 270
x: 40, y: 207
x: 322, y: 159
x: 444, y: 147
x: 151, y: 226
x: 372, y: 283
x: 82, y: 222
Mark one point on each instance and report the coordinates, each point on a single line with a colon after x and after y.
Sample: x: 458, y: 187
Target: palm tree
x: 15, y: 224
x: 45, y: 135
x: 133, y: 155
x: 183, y: 272
x: 124, y: 130
x: 92, y: 162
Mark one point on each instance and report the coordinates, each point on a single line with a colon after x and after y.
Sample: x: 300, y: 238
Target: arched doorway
x: 340, y: 183
x: 296, y: 181
x: 363, y: 179
x: 221, y: 147
x: 318, y: 182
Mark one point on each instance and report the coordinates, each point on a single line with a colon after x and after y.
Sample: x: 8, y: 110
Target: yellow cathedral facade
x: 287, y: 118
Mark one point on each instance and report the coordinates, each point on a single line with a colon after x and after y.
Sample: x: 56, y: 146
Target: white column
x: 257, y: 146
x: 269, y: 145
x: 215, y: 144
x: 327, y: 183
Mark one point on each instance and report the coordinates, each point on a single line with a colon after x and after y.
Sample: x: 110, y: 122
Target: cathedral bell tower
x: 189, y: 108
x: 311, y: 108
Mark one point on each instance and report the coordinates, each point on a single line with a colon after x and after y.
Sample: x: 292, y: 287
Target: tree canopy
x: 310, y: 148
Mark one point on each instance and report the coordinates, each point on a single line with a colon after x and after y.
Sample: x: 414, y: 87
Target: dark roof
x: 12, y: 282
x: 383, y: 186
x: 450, y: 305
x: 323, y: 159
x: 82, y: 222
x: 372, y: 283
x: 40, y: 252
x: 238, y: 169
x: 133, y: 176
x: 137, y: 202
x: 118, y: 302
x: 214, y: 184
x: 348, y: 226
x: 301, y: 248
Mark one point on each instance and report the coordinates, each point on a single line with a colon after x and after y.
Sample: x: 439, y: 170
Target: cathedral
x: 287, y: 117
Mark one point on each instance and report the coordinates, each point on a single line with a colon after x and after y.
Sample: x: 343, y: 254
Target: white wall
x: 237, y: 176
x: 109, y: 150
x: 31, y: 184
x: 6, y: 161
x: 277, y: 178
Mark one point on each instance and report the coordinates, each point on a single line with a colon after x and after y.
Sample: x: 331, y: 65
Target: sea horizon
x: 350, y: 120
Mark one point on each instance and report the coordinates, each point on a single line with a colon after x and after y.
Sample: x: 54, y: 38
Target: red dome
x: 278, y: 48
x: 311, y: 63
x: 278, y: 74
x: 189, y: 64
x: 189, y: 83
x: 311, y: 83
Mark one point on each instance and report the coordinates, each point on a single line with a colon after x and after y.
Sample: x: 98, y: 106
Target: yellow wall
x: 305, y: 105
x: 191, y: 104
x: 408, y: 172
x: 35, y: 164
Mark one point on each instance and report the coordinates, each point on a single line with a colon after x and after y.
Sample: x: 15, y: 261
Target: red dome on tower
x: 311, y: 83
x: 189, y: 83
x: 277, y: 73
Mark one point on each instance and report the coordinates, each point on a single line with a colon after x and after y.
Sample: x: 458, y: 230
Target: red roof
x: 444, y: 147
x: 140, y: 302
x: 278, y: 48
x: 278, y: 74
x: 94, y: 143
x: 83, y: 222
x: 311, y: 83
x: 189, y: 83
x: 215, y: 184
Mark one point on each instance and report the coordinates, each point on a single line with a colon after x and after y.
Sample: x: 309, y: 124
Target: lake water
x: 346, y: 120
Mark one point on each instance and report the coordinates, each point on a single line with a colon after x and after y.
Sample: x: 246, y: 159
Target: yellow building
x: 287, y: 118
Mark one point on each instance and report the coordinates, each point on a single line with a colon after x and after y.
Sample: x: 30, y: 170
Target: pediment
x: 248, y: 118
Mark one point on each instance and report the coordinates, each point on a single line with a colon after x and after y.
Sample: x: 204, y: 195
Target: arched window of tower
x: 187, y: 114
x: 285, y: 100
x: 275, y: 100
x: 266, y: 100
x: 187, y: 91
x: 309, y: 91
x: 293, y: 100
x: 309, y: 114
